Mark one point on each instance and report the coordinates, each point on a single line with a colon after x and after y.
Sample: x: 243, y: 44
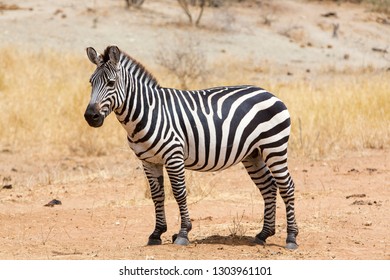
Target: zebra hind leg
x: 286, y: 190
x: 154, y: 174
x: 277, y: 163
x: 263, y: 179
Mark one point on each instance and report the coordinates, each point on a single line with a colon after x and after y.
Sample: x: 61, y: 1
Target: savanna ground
x: 329, y: 61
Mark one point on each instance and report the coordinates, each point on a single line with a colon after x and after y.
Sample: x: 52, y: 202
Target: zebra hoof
x: 291, y: 246
x: 152, y: 242
x: 179, y: 240
x: 291, y: 242
x: 259, y: 241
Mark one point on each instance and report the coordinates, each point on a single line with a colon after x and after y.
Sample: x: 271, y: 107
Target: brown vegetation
x: 346, y: 111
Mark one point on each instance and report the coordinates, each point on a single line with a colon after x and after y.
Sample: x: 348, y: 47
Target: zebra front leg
x: 175, y: 170
x: 154, y: 173
x: 269, y: 195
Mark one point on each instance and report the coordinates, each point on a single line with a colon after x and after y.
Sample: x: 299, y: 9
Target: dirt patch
x: 105, y: 211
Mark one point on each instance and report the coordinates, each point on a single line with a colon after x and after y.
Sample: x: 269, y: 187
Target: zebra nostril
x: 95, y: 117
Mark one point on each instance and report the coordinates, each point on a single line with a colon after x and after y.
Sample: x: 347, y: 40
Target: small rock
x: 329, y: 14
x: 353, y: 170
x: 7, y: 187
x: 356, y: 195
x: 53, y: 202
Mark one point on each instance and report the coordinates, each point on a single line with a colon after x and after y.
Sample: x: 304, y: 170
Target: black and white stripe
x: 202, y: 130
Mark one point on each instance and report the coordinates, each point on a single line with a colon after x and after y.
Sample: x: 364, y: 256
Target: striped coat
x: 203, y: 130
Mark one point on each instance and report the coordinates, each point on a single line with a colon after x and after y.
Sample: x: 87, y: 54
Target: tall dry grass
x: 343, y: 112
x: 43, y: 96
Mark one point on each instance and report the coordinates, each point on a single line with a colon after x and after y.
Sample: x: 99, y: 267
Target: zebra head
x: 105, y: 81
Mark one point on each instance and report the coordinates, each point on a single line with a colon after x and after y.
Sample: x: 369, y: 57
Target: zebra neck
x: 141, y: 106
x: 138, y: 73
x: 140, y: 93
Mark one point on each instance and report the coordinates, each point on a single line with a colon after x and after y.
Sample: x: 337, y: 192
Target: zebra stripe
x: 203, y: 130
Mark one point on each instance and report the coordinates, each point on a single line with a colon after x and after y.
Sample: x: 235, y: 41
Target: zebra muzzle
x: 93, y: 116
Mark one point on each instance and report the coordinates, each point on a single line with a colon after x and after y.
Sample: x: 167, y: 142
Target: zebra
x: 202, y: 130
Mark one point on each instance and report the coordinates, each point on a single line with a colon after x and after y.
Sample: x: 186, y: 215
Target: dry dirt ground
x: 342, y: 203
x: 342, y: 210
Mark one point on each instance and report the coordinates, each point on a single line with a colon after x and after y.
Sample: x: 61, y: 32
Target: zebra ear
x: 93, y: 56
x: 114, y: 54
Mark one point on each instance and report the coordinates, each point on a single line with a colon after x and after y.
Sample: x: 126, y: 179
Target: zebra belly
x: 210, y: 168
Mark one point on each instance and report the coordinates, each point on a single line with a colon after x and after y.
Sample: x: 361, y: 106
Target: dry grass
x: 44, y: 95
x: 343, y: 112
x: 43, y: 98
x: 381, y: 6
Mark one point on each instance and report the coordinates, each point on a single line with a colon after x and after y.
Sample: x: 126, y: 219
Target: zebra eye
x: 110, y: 83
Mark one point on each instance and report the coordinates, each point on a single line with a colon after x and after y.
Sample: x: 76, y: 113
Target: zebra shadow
x: 231, y: 241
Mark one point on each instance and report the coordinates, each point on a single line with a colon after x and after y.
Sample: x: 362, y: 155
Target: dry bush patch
x: 381, y: 6
x: 185, y: 61
x: 11, y: 7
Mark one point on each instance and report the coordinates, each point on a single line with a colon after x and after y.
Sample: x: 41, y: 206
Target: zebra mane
x: 134, y: 65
